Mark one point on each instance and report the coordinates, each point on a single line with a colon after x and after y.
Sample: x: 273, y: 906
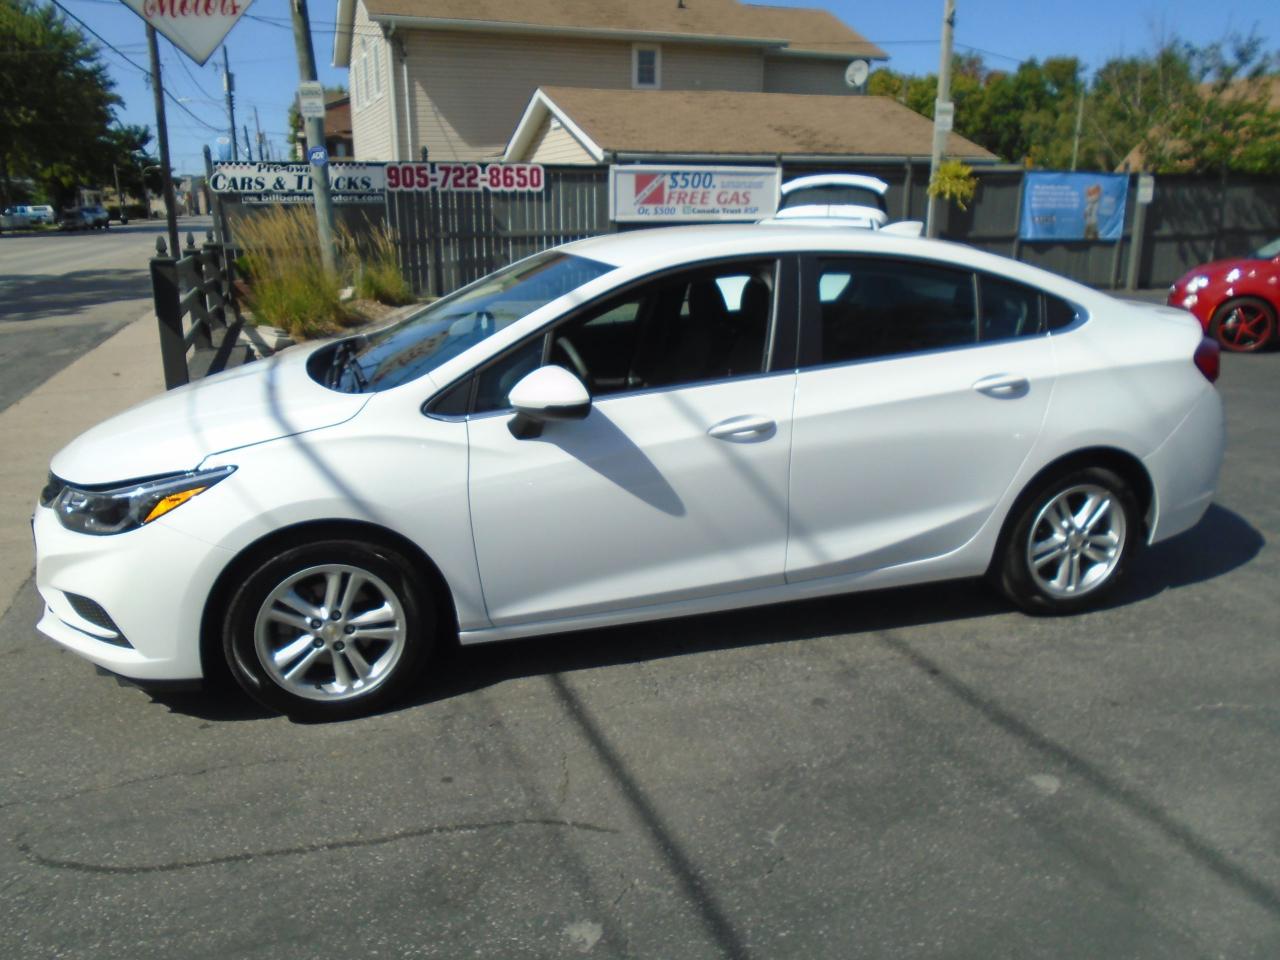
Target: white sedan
x: 622, y: 429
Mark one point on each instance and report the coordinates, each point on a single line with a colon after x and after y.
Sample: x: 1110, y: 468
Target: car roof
x: 836, y: 180
x: 662, y: 247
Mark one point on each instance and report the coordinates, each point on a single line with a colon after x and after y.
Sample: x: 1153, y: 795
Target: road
x: 61, y: 294
x: 915, y: 773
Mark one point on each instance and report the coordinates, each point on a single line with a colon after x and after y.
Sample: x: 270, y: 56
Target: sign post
x: 1146, y: 193
x: 314, y: 124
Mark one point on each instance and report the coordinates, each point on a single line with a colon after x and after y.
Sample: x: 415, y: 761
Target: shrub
x: 954, y: 181
x: 377, y: 269
x: 290, y: 287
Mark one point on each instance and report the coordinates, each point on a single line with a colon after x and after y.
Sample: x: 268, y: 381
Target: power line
x: 141, y: 69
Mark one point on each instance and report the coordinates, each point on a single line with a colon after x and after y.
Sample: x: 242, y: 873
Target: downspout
x: 389, y: 33
x: 408, y: 103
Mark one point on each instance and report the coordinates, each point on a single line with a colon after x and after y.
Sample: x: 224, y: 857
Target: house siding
x: 711, y: 68
x: 555, y: 144
x: 801, y: 75
x: 371, y: 116
x: 470, y: 90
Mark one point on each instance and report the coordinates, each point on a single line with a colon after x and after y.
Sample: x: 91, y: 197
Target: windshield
x: 1268, y: 251
x: 835, y: 195
x: 426, y: 339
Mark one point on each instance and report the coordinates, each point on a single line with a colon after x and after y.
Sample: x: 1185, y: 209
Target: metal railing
x: 196, y: 307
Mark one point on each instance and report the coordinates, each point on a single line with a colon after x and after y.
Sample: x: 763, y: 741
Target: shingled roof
x: 787, y: 30
x: 725, y: 123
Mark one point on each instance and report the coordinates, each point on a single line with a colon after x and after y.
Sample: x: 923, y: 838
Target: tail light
x: 1208, y: 358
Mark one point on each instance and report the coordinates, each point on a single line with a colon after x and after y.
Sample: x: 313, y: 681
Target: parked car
x: 75, y: 218
x: 98, y: 217
x: 1237, y: 301
x: 843, y: 199
x: 622, y: 429
x: 14, y: 218
x: 39, y: 213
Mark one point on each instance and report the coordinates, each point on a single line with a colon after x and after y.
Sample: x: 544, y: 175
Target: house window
x: 377, y: 70
x: 646, y: 67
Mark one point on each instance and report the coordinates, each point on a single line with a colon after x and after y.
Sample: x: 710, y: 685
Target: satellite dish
x: 855, y: 75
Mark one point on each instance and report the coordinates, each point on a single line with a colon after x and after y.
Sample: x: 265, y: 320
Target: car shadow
x: 1222, y: 542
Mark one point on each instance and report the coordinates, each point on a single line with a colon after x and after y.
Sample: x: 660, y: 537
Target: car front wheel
x: 1070, y: 542
x: 1245, y: 325
x: 329, y: 630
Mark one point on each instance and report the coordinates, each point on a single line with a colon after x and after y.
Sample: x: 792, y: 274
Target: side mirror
x: 548, y: 393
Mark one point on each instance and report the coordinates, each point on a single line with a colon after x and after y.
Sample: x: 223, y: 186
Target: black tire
x: 1029, y: 585
x: 252, y: 630
x: 1244, y: 325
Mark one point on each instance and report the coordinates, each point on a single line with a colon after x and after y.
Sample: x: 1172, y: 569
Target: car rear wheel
x: 1244, y: 325
x: 1070, y: 542
x: 329, y: 630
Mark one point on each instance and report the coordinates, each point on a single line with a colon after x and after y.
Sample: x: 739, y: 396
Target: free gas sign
x: 669, y: 194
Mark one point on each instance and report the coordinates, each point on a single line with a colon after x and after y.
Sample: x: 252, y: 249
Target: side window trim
x: 780, y: 353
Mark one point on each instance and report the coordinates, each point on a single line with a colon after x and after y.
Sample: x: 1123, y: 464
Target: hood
x: 1216, y: 268
x: 176, y: 430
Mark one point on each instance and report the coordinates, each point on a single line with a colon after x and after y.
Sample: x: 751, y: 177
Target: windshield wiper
x: 344, y: 361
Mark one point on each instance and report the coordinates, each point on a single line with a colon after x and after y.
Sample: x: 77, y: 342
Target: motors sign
x: 195, y: 27
x: 262, y: 183
x: 662, y: 194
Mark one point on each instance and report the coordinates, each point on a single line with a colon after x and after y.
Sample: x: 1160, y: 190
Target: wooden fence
x: 196, y: 307
x: 447, y: 239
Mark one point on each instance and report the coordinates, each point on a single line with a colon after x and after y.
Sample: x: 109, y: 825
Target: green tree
x: 56, y: 102
x: 1225, y: 121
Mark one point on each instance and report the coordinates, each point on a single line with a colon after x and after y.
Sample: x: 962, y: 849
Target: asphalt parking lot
x: 917, y: 773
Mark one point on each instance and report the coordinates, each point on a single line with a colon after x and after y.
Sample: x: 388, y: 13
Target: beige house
x: 456, y: 76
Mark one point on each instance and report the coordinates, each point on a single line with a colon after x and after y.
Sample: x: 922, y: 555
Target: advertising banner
x: 271, y: 182
x: 666, y: 194
x: 1073, y: 206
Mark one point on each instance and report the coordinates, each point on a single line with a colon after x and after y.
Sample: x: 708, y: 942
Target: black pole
x: 229, y: 85
x: 162, y: 134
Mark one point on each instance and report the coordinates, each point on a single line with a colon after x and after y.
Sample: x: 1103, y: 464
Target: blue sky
x: 1005, y: 31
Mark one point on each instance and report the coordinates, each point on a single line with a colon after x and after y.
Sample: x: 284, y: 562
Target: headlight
x: 101, y: 512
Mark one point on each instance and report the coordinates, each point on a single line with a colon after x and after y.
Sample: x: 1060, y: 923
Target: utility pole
x: 942, y: 113
x: 1075, y: 143
x: 229, y: 85
x: 248, y: 150
x: 124, y: 214
x: 315, y: 136
x: 262, y: 152
x: 162, y: 134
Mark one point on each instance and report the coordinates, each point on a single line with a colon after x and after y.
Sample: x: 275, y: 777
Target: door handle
x: 1003, y: 386
x: 743, y: 429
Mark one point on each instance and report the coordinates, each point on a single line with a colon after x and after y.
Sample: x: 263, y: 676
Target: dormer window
x: 646, y: 67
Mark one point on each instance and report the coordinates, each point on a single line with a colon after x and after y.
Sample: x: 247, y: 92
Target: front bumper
x: 152, y: 582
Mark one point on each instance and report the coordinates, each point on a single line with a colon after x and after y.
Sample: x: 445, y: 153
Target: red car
x: 1236, y: 301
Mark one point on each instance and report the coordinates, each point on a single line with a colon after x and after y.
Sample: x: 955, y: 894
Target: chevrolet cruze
x: 630, y: 428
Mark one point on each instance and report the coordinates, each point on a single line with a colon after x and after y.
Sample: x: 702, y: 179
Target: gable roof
x: 720, y: 123
x: 785, y: 31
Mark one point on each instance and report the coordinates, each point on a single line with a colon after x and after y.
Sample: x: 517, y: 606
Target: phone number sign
x: 466, y: 177
x: 652, y: 194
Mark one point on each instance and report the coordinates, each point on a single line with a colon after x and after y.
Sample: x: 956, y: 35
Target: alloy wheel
x: 1076, y: 541
x: 331, y: 632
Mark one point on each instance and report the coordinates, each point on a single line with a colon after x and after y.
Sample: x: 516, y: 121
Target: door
x: 921, y: 392
x: 675, y: 485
